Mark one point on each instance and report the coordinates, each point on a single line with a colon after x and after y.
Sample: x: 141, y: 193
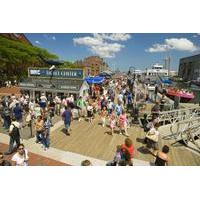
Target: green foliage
x: 16, y: 57
x: 68, y: 64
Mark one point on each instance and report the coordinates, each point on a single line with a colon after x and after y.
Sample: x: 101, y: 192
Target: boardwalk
x: 94, y: 141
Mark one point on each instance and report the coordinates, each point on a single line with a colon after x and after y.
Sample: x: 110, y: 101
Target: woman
x: 123, y: 123
x: 21, y: 157
x: 162, y: 158
x: 152, y: 138
x: 39, y: 127
x: 46, y: 133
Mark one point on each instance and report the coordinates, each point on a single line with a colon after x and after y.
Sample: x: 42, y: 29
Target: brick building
x: 16, y: 36
x: 93, y: 64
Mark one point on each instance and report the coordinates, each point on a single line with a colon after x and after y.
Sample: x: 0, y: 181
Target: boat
x: 185, y: 96
x: 155, y: 70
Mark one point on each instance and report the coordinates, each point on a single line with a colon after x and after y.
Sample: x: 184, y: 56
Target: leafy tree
x: 16, y: 57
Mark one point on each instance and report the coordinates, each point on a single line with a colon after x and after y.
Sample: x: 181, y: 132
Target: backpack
x: 15, y: 132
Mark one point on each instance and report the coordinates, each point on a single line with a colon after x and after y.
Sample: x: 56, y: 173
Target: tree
x: 16, y: 57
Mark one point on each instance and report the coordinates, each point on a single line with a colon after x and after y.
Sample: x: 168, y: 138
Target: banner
x: 58, y: 73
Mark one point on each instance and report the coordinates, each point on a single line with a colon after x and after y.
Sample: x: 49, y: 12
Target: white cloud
x: 98, y: 44
x: 37, y: 42
x: 179, y: 44
x: 157, y: 48
x: 113, y: 36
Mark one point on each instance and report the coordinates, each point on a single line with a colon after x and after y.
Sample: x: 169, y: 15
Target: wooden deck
x: 93, y: 140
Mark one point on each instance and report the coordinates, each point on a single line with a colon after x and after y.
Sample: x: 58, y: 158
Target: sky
x: 120, y: 50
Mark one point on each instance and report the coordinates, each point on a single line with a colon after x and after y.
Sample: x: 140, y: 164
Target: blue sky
x: 120, y: 50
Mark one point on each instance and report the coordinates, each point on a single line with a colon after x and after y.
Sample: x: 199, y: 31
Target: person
x: 162, y: 158
x: 46, y: 133
x: 3, y: 162
x: 14, y: 136
x: 156, y: 92
x: 6, y: 117
x: 37, y: 111
x: 67, y: 118
x: 155, y: 110
x: 86, y: 163
x: 18, y: 112
x: 112, y: 122
x: 43, y: 101
x: 123, y: 123
x: 162, y: 103
x: 21, y: 157
x: 128, y: 145
x: 118, y: 109
x: 81, y: 104
x: 110, y: 106
x: 103, y: 116
x: 152, y: 138
x: 117, y: 158
x: 39, y: 127
x: 90, y: 112
x: 129, y: 101
x: 52, y: 109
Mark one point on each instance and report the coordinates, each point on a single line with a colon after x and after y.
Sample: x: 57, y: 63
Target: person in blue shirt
x: 67, y: 118
x: 18, y: 112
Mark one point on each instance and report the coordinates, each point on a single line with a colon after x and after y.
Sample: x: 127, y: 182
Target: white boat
x: 156, y: 69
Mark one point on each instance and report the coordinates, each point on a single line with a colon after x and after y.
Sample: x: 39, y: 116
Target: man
x: 14, y: 136
x: 4, y: 162
x: 6, y: 117
x: 162, y: 103
x: 67, y: 118
x: 18, y: 112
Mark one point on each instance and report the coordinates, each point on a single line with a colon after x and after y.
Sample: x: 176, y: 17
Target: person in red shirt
x: 128, y: 146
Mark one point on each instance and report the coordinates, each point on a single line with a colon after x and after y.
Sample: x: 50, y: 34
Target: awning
x: 94, y: 80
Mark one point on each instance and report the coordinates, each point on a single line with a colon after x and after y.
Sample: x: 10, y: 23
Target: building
x: 60, y: 82
x: 17, y: 36
x: 93, y: 64
x: 189, y: 68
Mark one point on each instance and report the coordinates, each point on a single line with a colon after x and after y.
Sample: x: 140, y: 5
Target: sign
x: 69, y: 87
x: 58, y: 73
x: 27, y: 84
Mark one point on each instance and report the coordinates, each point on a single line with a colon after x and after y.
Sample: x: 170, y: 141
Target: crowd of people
x: 115, y: 105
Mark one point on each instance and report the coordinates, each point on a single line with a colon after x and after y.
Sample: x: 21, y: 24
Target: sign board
x: 69, y: 87
x: 27, y: 84
x: 58, y: 73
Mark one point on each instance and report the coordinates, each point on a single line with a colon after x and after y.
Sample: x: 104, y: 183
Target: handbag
x: 152, y: 136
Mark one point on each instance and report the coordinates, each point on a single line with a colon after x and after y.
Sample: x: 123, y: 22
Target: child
x: 117, y: 158
x: 123, y: 123
x: 90, y: 112
x: 112, y: 122
x: 103, y: 116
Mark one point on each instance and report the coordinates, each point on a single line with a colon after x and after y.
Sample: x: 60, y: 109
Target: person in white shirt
x: 21, y: 157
